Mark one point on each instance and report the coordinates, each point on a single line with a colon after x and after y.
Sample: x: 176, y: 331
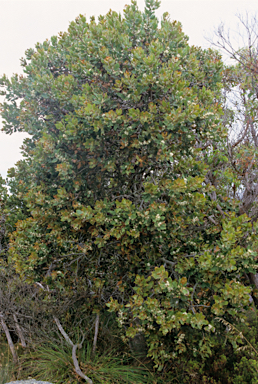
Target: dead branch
x: 9, y: 339
x: 62, y: 331
x: 19, y: 331
x: 77, y: 367
x: 74, y: 348
x: 95, y: 334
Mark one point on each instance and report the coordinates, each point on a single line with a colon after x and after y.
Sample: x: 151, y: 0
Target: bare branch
x: 61, y: 329
x: 74, y: 348
x: 95, y: 334
x: 171, y: 263
x: 77, y: 367
x: 9, y: 339
x: 19, y: 331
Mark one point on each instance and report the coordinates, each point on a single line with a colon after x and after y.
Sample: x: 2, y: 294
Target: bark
x: 9, y: 339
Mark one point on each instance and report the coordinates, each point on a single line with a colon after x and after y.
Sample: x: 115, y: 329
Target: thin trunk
x: 9, y: 339
x: 74, y: 346
x: 96, y: 334
x: 77, y: 367
x: 20, y: 333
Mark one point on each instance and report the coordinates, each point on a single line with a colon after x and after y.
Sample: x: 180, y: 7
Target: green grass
x: 7, y: 368
x: 53, y: 362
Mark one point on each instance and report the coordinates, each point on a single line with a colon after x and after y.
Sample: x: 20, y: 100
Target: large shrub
x: 124, y: 124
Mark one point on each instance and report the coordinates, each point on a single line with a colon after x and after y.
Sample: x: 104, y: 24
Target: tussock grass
x: 7, y: 368
x: 53, y: 362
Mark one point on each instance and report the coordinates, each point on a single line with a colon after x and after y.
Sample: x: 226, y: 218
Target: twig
x: 230, y: 325
x: 220, y: 209
x: 171, y: 263
x: 212, y: 220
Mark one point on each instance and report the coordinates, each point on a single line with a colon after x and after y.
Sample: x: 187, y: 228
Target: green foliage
x: 177, y: 316
x: 246, y: 371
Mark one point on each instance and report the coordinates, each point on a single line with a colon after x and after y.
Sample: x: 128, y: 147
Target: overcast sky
x: 23, y: 23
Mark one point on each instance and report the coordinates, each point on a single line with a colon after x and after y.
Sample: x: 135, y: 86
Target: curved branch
x: 77, y: 367
x: 74, y: 346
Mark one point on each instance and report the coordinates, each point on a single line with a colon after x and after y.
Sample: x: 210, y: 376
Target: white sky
x: 23, y: 23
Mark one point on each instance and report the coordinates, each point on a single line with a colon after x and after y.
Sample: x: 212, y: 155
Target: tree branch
x: 9, y: 339
x: 77, y: 367
x: 96, y: 334
x: 74, y: 347
x: 62, y: 331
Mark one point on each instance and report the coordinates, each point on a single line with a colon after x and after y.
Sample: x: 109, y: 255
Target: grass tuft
x: 53, y: 362
x: 7, y: 368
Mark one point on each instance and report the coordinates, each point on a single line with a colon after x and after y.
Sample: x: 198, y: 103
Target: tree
x: 240, y: 118
x: 125, y: 126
